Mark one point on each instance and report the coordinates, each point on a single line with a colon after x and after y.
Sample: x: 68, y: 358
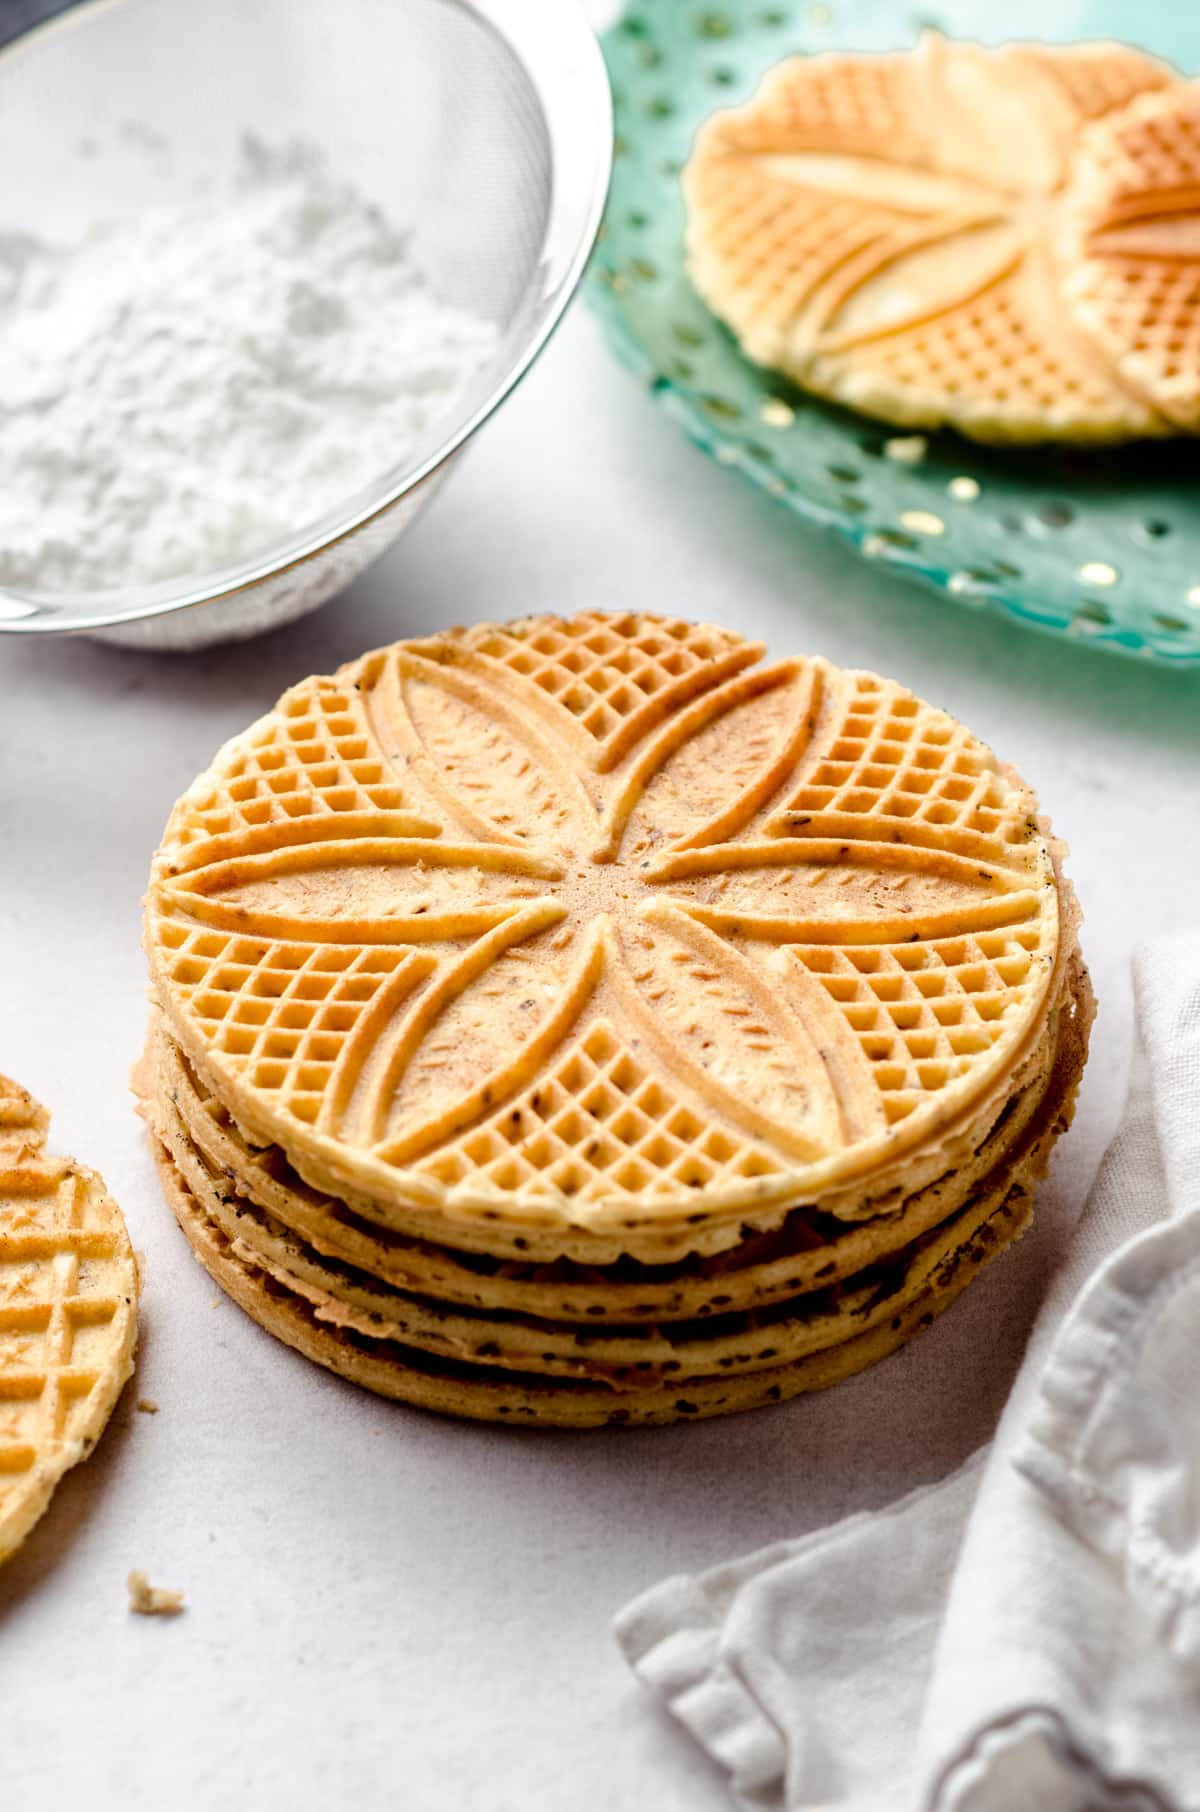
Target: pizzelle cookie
x: 586, y: 1020
x: 601, y: 934
x: 903, y: 234
x: 68, y: 1314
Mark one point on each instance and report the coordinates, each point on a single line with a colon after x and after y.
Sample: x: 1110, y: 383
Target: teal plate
x: 1102, y: 546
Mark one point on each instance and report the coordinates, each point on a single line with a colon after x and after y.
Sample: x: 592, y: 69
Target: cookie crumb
x: 148, y: 1406
x: 152, y: 1601
x: 215, y: 1303
x: 906, y: 449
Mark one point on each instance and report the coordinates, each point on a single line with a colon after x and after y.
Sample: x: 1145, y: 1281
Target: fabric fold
x: 1027, y: 1631
x: 672, y: 1638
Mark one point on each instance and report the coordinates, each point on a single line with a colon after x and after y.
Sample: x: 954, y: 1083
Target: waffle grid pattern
x: 281, y: 1011
x: 45, y: 1310
x: 1099, y: 79
x: 790, y: 245
x: 314, y: 758
x: 599, y: 1125
x: 924, y: 1013
x: 809, y: 98
x: 1155, y: 312
x: 68, y: 1293
x: 892, y: 758
x: 604, y: 671
x: 992, y: 351
x: 23, y: 1121
x: 1136, y: 223
x: 1147, y: 152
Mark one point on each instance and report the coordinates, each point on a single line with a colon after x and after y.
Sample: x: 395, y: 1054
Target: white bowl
x: 485, y: 126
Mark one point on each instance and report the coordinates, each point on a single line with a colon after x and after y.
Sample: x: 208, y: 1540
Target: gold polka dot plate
x: 1045, y: 292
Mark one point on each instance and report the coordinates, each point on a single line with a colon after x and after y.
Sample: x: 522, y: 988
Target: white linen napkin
x: 1025, y: 1634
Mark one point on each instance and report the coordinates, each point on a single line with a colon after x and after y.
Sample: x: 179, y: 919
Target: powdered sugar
x: 185, y: 389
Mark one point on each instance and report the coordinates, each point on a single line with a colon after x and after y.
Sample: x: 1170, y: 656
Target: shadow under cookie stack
x: 584, y: 1021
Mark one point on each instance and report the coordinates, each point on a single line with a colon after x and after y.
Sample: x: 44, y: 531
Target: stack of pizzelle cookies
x: 589, y: 1021
x: 1005, y: 241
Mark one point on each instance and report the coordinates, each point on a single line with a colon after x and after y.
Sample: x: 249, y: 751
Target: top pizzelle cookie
x: 893, y: 232
x: 602, y: 922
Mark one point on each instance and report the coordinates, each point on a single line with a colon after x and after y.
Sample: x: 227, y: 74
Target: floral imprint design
x: 601, y: 922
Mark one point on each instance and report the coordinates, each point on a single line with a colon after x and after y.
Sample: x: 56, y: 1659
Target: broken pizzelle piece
x: 68, y: 1313
x: 152, y: 1601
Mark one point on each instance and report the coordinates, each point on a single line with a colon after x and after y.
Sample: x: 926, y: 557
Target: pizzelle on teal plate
x: 1101, y: 545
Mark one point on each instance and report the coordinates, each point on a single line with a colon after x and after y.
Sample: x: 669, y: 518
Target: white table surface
x: 386, y: 1610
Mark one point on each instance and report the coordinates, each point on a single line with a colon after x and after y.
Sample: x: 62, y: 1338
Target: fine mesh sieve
x: 484, y: 126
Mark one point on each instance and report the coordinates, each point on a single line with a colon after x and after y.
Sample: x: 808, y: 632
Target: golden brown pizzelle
x: 580, y: 1012
x: 68, y: 1313
x: 927, y: 236
x: 601, y: 933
